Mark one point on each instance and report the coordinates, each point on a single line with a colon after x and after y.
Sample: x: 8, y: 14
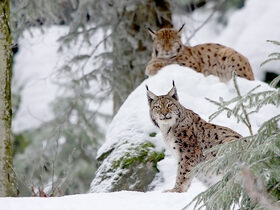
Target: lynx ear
x: 173, y: 92
x: 152, y: 33
x: 151, y: 96
x: 179, y: 31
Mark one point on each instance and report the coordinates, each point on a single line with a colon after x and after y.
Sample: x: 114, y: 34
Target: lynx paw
x: 151, y: 70
x: 155, y: 65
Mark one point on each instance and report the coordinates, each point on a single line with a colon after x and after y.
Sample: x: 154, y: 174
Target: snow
x: 38, y: 59
x: 34, y: 66
x: 102, y: 201
x: 133, y: 119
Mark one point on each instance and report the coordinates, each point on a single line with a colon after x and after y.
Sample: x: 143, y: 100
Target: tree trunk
x: 7, y: 178
x: 132, y: 46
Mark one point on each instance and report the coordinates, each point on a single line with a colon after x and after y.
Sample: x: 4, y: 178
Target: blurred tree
x: 128, y: 44
x: 67, y: 145
x: 132, y: 46
x: 7, y: 178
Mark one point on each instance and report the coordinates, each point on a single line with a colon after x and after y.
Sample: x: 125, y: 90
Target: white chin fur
x: 166, y: 56
x: 166, y: 122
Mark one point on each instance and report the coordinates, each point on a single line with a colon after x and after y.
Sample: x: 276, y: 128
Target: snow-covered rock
x: 132, y: 124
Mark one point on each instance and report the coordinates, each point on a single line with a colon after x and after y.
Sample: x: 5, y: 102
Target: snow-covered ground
x: 102, y: 201
x: 35, y: 64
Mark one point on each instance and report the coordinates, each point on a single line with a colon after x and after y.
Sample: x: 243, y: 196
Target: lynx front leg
x: 155, y: 65
x: 184, y: 176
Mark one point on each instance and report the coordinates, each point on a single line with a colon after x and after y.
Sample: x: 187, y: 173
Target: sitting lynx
x: 208, y: 58
x: 186, y: 134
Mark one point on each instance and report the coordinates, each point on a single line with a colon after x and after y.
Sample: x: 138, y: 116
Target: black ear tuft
x: 151, y: 96
x: 181, y: 28
x: 150, y: 30
x: 150, y: 100
x: 152, y: 33
x: 175, y: 96
x: 173, y: 92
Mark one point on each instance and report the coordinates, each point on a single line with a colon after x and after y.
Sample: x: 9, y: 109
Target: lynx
x: 186, y: 134
x: 209, y: 58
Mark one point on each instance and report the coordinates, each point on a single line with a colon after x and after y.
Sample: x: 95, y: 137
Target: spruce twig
x: 273, y: 56
x: 246, y: 121
x: 240, y: 100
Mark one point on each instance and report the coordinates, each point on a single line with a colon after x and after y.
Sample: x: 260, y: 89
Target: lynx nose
x: 167, y: 53
x: 165, y: 116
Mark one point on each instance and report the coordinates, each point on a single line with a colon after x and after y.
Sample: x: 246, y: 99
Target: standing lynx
x: 186, y: 134
x: 206, y: 58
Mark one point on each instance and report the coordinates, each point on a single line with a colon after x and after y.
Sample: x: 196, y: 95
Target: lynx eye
x: 157, y: 107
x: 169, y: 105
x: 177, y: 46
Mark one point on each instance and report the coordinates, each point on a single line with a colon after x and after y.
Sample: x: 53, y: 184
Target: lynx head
x: 165, y: 109
x: 166, y: 42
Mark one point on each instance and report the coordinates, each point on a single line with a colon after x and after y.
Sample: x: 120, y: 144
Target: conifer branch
x: 246, y: 121
x: 275, y: 54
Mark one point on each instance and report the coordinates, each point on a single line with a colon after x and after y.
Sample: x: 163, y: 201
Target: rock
x: 127, y: 166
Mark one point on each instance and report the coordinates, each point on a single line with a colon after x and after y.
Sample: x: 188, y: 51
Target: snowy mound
x: 133, y: 117
x: 132, y: 123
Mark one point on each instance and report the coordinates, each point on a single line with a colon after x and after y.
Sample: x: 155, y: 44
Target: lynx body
x: 209, y: 58
x: 186, y: 134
